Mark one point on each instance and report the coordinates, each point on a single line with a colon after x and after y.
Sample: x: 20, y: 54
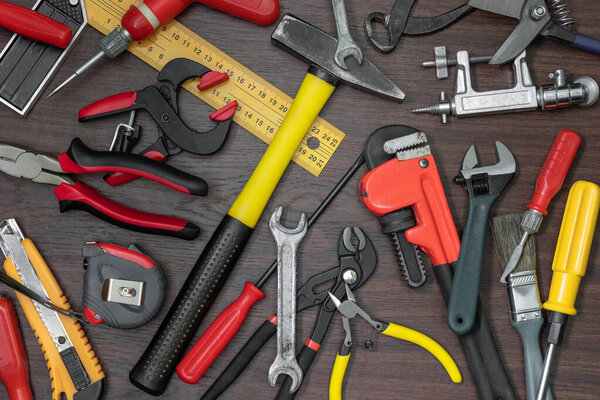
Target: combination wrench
x: 346, y: 46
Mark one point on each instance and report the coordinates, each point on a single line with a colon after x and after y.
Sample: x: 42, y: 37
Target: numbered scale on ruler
x: 262, y: 106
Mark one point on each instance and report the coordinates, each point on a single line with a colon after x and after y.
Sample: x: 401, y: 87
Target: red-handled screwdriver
x: 139, y: 23
x: 34, y: 25
x: 13, y: 359
x: 220, y: 332
x: 548, y: 183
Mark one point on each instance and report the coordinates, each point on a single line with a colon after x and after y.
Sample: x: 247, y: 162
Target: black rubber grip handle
x: 81, y: 159
x: 305, y: 359
x: 157, y: 364
x: 235, y: 368
x: 479, y: 347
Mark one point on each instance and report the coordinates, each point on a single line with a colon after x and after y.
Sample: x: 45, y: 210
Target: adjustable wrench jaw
x: 489, y: 180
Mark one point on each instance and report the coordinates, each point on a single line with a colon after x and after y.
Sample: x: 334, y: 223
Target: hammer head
x: 316, y: 47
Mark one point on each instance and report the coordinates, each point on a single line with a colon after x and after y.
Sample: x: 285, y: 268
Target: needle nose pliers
x: 349, y: 309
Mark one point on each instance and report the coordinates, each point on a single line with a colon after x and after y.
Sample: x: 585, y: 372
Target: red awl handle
x: 33, y: 25
x: 206, y: 350
x: 13, y: 359
x: 554, y: 170
x: 82, y: 197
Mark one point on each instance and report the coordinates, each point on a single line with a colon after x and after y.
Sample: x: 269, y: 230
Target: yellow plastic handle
x: 59, y: 375
x: 310, y: 99
x: 573, y: 246
x: 410, y: 335
x: 337, y: 376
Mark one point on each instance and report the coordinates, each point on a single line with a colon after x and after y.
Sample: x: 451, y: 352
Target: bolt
x: 165, y: 117
x: 369, y: 344
x: 350, y: 276
x: 538, y: 12
x: 423, y: 163
x: 62, y: 340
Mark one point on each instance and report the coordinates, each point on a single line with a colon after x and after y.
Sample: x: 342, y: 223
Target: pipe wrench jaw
x: 489, y: 180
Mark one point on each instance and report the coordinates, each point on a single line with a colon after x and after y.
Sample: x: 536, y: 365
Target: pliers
x: 72, y: 194
x: 358, y: 262
x: 160, y: 101
x: 349, y: 309
x: 535, y: 18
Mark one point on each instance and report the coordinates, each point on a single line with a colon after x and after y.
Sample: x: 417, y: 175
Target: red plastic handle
x: 206, y: 350
x: 81, y: 196
x: 13, y: 359
x: 109, y: 104
x: 119, y: 178
x: 140, y: 26
x: 554, y: 170
x: 33, y: 25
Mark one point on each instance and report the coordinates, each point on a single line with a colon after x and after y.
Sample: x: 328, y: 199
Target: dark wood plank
x: 394, y: 369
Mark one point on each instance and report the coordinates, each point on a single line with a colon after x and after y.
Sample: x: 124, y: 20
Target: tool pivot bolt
x: 165, y: 117
x: 423, y: 163
x: 538, y: 12
x: 350, y: 276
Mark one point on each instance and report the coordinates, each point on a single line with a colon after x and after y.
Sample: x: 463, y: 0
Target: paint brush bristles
x: 507, y: 233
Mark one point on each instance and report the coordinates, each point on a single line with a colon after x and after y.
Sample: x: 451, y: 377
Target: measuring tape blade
x: 261, y: 106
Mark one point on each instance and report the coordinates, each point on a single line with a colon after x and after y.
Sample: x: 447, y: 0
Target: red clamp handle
x: 82, y: 197
x: 206, y: 350
x: 13, y: 359
x: 554, y: 170
x: 33, y: 25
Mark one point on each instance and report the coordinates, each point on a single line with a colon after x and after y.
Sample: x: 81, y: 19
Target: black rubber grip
x: 115, y: 161
x: 305, y: 359
x: 157, y: 364
x: 241, y: 360
x: 479, y: 347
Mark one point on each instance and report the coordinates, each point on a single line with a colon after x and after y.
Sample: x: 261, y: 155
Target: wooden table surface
x: 393, y: 369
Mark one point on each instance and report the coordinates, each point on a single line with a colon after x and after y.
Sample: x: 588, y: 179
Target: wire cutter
x: 349, y: 309
x: 160, y: 101
x: 535, y: 18
x: 358, y: 262
x: 72, y: 194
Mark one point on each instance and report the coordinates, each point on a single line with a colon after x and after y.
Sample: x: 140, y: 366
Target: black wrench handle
x: 462, y: 305
x: 479, y: 347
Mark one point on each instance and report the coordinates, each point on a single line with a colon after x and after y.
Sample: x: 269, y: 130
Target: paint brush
x: 523, y: 295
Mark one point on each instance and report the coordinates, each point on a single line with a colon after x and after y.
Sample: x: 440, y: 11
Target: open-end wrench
x: 346, y: 46
x: 484, y: 185
x: 287, y: 246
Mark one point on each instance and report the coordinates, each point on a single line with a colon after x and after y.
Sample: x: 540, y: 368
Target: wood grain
x: 393, y: 369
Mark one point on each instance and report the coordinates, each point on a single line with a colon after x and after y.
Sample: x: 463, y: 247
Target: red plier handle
x: 33, y: 25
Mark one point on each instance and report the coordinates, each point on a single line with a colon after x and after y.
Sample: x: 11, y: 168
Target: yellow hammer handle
x: 59, y: 375
x: 410, y: 335
x: 337, y: 376
x: 310, y: 99
x: 573, y: 246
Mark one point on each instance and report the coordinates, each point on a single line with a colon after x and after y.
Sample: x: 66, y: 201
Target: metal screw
x: 350, y: 276
x: 369, y: 344
x: 165, y: 117
x: 538, y: 12
x: 423, y: 163
x: 62, y: 340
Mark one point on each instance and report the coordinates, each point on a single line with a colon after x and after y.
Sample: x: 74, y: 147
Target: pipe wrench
x: 403, y: 188
x: 73, y: 366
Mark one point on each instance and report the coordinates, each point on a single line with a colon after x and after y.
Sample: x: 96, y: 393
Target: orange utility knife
x: 73, y: 366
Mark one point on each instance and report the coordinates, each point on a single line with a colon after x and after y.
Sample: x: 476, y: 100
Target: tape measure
x: 262, y: 106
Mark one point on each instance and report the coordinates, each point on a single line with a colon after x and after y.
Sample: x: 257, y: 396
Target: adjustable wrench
x: 346, y: 46
x: 287, y: 246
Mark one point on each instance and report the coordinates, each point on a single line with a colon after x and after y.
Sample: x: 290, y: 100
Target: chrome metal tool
x: 346, y: 46
x: 524, y: 96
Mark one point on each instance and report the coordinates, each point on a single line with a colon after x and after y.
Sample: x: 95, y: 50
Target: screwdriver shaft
x: 546, y: 372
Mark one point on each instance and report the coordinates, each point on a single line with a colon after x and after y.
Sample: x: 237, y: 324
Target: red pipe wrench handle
x: 82, y: 197
x: 33, y: 25
x: 13, y: 359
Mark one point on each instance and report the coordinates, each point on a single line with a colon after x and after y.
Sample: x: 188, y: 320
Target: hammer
x: 157, y: 364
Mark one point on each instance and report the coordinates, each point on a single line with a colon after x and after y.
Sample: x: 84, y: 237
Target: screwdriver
x: 570, y: 261
x: 220, y: 332
x: 549, y: 181
x: 139, y: 23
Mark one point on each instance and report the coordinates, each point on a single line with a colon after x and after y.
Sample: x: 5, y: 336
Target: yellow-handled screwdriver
x: 569, y: 265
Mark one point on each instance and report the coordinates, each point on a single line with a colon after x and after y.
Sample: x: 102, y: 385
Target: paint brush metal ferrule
x: 524, y: 296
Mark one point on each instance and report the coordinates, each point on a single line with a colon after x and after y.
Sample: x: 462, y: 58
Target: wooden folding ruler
x: 262, y: 106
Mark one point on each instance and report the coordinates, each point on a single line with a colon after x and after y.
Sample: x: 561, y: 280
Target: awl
x: 569, y: 265
x: 139, y: 23
x: 548, y: 183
